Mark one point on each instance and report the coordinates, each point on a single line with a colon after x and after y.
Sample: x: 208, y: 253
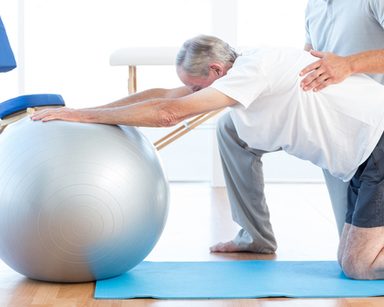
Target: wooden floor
x: 200, y: 216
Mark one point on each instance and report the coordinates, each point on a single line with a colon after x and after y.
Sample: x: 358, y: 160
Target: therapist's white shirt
x: 336, y: 128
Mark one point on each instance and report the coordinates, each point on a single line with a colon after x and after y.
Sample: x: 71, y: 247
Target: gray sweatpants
x: 244, y: 179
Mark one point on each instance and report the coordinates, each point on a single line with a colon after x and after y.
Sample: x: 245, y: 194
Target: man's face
x: 196, y: 83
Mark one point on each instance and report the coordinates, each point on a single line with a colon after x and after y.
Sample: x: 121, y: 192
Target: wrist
x: 86, y: 116
x: 351, y: 64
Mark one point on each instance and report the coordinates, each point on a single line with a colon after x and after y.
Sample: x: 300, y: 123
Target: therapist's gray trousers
x: 244, y: 179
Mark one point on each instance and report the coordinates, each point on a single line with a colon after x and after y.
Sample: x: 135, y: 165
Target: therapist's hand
x: 66, y: 114
x: 329, y: 69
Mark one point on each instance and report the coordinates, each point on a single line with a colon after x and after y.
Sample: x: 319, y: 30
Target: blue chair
x: 21, y: 103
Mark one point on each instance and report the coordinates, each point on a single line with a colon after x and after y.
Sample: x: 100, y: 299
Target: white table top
x: 144, y: 56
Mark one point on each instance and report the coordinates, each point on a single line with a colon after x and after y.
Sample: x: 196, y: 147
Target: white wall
x: 64, y: 46
x: 9, y: 16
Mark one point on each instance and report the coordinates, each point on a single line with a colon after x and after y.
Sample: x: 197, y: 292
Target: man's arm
x: 148, y: 94
x: 158, y: 112
x: 331, y: 68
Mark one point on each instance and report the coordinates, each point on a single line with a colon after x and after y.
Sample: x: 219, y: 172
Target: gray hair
x: 197, y: 53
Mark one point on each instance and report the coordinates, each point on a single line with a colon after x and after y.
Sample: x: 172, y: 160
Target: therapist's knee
x: 357, y: 265
x: 357, y: 268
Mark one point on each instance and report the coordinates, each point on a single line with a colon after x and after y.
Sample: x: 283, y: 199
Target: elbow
x: 168, y: 117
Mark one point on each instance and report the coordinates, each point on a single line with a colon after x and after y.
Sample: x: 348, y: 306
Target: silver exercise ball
x: 78, y: 202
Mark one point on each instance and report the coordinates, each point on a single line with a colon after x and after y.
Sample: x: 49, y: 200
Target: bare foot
x: 227, y: 247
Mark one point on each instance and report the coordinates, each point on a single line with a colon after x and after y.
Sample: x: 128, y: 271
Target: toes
x: 218, y: 248
x: 227, y: 247
x: 215, y: 248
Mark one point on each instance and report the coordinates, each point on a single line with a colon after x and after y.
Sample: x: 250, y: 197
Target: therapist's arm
x: 158, y: 112
x: 331, y: 68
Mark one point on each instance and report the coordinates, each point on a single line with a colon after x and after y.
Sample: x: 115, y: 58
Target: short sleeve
x: 244, y: 82
x: 377, y: 8
x: 308, y: 40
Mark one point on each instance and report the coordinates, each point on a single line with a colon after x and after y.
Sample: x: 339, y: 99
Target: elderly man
x: 339, y: 128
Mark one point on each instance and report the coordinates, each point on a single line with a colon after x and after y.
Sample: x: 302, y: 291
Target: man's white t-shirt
x: 336, y: 128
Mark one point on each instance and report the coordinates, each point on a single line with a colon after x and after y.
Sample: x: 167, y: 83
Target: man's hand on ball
x: 64, y: 113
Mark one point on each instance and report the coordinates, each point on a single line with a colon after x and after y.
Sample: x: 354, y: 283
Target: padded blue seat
x: 29, y: 101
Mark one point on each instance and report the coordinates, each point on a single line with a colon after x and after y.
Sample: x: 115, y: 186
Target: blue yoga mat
x: 236, y: 279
